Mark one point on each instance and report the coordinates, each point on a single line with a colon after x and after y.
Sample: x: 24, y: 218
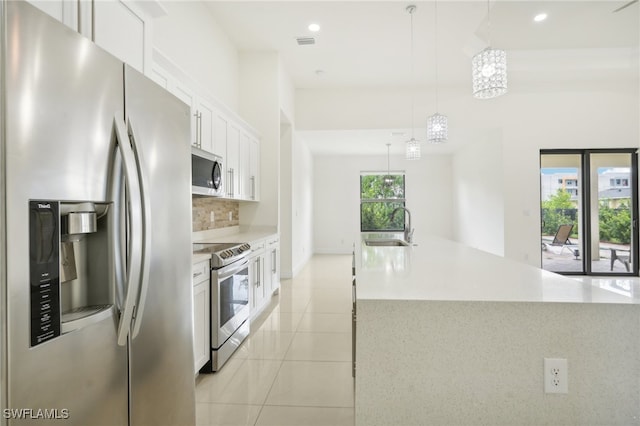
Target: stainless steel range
x: 229, y: 299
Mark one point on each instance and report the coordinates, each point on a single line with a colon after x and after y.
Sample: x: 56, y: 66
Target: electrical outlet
x: 212, y: 217
x: 556, y: 375
x: 230, y: 215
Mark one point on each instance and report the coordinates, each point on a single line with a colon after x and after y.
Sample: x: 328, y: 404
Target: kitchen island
x: 447, y: 334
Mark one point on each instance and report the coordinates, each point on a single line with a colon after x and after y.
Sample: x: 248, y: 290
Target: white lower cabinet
x: 201, y: 297
x: 264, y: 272
x: 272, y: 268
x: 257, y: 274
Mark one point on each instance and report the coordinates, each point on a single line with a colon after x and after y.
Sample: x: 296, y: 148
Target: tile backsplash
x: 204, y: 206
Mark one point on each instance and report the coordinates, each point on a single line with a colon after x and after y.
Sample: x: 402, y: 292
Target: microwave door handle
x: 134, y: 213
x: 145, y: 230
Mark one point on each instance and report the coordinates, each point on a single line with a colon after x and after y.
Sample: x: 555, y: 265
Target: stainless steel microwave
x: 206, y: 173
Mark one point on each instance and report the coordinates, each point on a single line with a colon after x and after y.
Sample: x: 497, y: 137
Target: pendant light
x: 489, y: 69
x: 412, y: 145
x: 387, y: 181
x: 437, y: 126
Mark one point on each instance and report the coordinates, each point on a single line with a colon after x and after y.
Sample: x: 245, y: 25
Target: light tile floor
x: 295, y: 366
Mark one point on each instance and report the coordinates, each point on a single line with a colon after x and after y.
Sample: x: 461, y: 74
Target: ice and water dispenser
x: 70, y: 261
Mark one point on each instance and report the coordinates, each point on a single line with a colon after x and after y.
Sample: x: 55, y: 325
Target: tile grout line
x: 275, y: 377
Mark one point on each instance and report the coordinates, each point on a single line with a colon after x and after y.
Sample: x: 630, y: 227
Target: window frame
x: 394, y: 200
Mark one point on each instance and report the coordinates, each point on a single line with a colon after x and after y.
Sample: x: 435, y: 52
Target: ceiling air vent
x: 303, y: 41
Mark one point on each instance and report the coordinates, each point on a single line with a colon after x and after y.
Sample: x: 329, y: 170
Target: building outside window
x: 380, y: 194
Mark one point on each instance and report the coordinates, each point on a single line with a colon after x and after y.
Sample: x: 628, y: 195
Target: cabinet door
x: 65, y: 11
x: 254, y: 169
x: 244, y: 166
x: 257, y: 281
x: 186, y: 95
x: 206, y: 116
x: 273, y: 247
x: 233, y: 152
x: 120, y: 30
x: 220, y: 128
x: 161, y: 76
x: 200, y: 324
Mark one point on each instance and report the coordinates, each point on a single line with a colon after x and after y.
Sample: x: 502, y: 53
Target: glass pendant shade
x: 489, y: 69
x: 413, y: 149
x: 437, y: 129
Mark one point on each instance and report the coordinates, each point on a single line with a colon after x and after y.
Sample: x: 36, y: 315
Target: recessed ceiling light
x: 540, y: 17
x: 314, y: 28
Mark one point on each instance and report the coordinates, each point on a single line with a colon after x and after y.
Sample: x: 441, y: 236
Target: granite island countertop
x: 445, y: 334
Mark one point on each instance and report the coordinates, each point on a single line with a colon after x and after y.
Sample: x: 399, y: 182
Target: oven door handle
x: 230, y: 270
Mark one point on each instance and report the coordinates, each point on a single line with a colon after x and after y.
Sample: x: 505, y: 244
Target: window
x: 380, y: 194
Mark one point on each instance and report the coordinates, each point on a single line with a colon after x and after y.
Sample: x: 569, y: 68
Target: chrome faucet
x: 408, y: 231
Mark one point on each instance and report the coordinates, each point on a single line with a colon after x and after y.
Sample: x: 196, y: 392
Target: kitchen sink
x: 386, y: 243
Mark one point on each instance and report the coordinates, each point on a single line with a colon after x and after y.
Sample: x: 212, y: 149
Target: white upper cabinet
x: 254, y: 169
x: 215, y: 129
x: 65, y: 11
x: 186, y: 95
x: 220, y: 129
x: 206, y: 115
x: 160, y: 76
x: 121, y: 29
x: 249, y: 160
x: 233, y: 162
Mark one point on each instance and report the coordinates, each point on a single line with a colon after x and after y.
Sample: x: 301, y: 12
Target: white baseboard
x: 332, y: 250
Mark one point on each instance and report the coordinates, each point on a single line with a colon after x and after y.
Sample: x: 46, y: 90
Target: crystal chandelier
x: 412, y: 145
x: 437, y: 128
x: 413, y: 149
x: 489, y: 69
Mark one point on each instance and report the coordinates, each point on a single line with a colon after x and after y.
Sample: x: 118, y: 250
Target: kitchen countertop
x: 233, y: 234
x: 439, y: 269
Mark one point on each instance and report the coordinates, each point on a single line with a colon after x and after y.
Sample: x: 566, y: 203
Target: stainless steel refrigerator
x: 96, y: 305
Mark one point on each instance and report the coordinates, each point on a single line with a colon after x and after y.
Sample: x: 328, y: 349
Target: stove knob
x: 224, y: 254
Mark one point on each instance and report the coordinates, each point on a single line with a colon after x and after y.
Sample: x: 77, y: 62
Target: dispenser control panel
x: 44, y: 270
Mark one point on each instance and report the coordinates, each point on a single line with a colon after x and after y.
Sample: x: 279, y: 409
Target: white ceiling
x: 367, y: 43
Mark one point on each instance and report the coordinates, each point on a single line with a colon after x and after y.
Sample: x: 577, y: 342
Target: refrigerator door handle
x: 146, y: 231
x: 134, y: 212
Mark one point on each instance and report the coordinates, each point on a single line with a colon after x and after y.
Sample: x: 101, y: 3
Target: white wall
x: 596, y: 119
x: 260, y: 105
x: 286, y: 197
x: 302, y: 203
x: 336, y: 202
x: 190, y: 37
x: 603, y: 114
x: 478, y: 195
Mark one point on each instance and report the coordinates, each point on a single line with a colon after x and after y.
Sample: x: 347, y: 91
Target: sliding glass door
x: 561, y: 213
x: 589, y: 212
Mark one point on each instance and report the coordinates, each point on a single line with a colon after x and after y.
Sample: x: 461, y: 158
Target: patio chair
x: 624, y: 259
x: 561, y: 239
